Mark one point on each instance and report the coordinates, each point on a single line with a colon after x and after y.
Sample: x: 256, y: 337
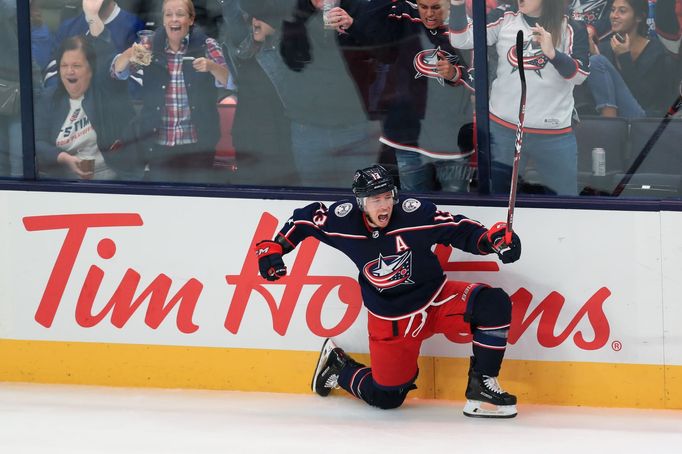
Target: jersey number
x: 320, y: 217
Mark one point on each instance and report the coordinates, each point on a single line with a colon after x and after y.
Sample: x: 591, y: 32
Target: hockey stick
x: 519, y: 139
x: 674, y: 108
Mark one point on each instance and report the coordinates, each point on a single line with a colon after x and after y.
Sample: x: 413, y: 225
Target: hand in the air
x: 91, y: 7
x: 544, y: 39
x: 270, y: 261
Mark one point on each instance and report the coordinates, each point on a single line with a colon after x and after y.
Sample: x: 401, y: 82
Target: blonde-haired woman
x: 179, y: 121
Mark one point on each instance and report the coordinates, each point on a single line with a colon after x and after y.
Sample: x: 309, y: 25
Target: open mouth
x: 383, y: 218
x: 71, y: 80
x: 175, y: 28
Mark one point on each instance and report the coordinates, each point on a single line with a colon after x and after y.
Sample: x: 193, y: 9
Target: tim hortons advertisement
x: 181, y: 271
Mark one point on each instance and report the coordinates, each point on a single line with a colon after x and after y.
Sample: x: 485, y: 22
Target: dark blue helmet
x: 371, y: 181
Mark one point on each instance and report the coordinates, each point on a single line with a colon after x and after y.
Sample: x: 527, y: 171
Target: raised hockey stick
x: 519, y: 140
x: 674, y: 108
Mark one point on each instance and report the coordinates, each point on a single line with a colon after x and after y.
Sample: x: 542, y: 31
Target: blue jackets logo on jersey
x: 425, y: 63
x: 535, y: 62
x: 390, y: 271
x: 587, y: 10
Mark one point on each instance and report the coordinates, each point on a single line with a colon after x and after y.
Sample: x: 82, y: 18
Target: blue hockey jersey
x: 398, y: 272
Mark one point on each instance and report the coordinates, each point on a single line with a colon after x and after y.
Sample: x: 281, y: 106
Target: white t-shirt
x: 78, y: 138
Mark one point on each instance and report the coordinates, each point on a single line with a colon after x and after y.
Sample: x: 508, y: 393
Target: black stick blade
x: 519, y: 54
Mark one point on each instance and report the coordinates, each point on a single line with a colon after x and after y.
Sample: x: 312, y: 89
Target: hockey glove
x: 493, y: 241
x: 270, y: 261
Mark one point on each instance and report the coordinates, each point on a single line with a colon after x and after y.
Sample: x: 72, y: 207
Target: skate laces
x: 332, y: 381
x: 492, y: 384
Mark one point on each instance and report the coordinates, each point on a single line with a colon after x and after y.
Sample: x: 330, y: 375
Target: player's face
x: 176, y: 20
x: 622, y: 17
x: 532, y: 8
x: 378, y: 209
x: 75, y: 73
x: 433, y: 12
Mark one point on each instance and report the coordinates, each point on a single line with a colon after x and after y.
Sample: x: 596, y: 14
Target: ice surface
x: 82, y: 419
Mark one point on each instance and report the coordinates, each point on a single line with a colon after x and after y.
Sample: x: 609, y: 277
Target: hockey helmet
x: 371, y: 181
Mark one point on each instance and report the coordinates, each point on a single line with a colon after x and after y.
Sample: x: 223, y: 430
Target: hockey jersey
x: 399, y: 274
x: 549, y: 106
x: 595, y: 13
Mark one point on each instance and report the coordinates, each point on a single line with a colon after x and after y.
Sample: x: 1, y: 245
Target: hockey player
x: 405, y: 291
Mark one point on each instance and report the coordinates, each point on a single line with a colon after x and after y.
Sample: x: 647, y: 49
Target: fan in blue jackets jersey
x: 428, y: 92
x: 556, y: 59
x: 405, y: 290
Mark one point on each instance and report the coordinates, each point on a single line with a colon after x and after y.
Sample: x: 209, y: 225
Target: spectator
x: 330, y: 131
x: 121, y: 24
x: 179, y: 118
x: 630, y: 73
x: 261, y: 132
x: 84, y: 117
x: 556, y: 59
x: 429, y: 94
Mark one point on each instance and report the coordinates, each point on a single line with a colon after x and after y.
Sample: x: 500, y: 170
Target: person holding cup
x: 81, y: 123
x: 179, y: 123
x: 328, y: 73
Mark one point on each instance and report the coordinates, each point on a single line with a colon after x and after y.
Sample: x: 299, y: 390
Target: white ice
x: 53, y: 419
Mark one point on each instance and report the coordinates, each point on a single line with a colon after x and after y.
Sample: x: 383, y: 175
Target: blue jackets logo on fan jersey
x: 425, y: 63
x: 534, y: 62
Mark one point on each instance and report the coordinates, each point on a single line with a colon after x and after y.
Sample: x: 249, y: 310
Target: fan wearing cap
x: 408, y: 297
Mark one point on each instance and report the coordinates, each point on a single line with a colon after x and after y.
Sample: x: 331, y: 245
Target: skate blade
x: 327, y: 347
x: 478, y: 409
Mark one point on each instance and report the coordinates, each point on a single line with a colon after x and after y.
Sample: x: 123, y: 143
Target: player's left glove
x: 270, y: 261
x: 493, y: 241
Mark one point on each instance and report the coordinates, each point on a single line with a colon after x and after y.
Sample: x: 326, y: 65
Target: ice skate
x: 487, y: 399
x: 329, y: 365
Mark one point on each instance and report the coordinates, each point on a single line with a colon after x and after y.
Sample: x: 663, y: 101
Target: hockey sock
x: 354, y: 378
x: 358, y: 381
x: 489, y: 350
x: 491, y: 314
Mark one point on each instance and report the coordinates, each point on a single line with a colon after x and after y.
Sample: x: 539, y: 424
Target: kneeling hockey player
x: 405, y: 290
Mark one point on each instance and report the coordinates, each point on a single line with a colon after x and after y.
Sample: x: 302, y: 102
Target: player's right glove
x: 270, y: 261
x: 493, y: 241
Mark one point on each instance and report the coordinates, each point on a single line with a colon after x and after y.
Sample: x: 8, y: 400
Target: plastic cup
x: 87, y: 166
x: 328, y: 5
x: 145, y: 38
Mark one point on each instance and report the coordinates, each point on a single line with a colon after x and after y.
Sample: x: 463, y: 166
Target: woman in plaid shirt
x: 179, y: 123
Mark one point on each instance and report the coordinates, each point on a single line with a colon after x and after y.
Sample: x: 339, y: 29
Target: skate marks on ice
x: 97, y: 420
